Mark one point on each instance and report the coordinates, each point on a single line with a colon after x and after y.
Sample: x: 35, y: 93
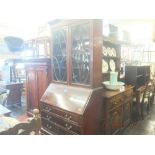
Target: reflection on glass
x: 41, y: 49
x: 81, y: 54
x: 59, y: 55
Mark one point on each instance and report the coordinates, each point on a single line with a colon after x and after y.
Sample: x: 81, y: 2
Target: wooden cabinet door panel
x: 32, y: 100
x: 114, y: 121
x: 42, y: 82
x: 126, y: 113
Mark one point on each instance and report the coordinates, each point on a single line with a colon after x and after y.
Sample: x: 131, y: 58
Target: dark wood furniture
x: 32, y: 126
x: 137, y: 101
x: 38, y: 77
x: 117, y: 107
x: 17, y: 72
x: 73, y: 104
x: 143, y: 96
x: 4, y: 111
x: 15, y: 92
x: 70, y: 110
x: 152, y: 81
x: 137, y: 75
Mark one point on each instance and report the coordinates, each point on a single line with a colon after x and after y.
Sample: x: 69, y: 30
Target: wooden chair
x: 152, y: 94
x: 146, y: 100
x: 32, y: 127
x: 142, y: 97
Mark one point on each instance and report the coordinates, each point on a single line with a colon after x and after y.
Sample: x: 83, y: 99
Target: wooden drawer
x: 128, y: 94
x: 114, y: 102
x: 58, y: 120
x: 56, y: 128
x: 61, y: 113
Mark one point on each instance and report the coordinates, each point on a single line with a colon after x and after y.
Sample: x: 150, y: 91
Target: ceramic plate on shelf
x: 105, y: 66
x: 108, y: 51
x: 104, y: 51
x: 112, y: 65
x: 113, y: 52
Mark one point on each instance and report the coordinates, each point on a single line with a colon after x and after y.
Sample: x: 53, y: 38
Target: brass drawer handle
x: 49, y: 126
x: 69, y: 117
x: 66, y: 115
x: 46, y: 108
x: 48, y: 116
x: 69, y: 127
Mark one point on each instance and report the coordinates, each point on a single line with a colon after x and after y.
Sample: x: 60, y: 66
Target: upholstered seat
x: 10, y: 126
x: 3, y: 97
x: 7, y: 122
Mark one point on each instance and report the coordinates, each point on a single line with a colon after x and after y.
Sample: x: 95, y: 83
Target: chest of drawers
x: 71, y: 110
x: 117, y: 107
x: 58, y: 121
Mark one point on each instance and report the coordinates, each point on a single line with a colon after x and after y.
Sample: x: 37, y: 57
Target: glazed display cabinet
x: 72, y: 103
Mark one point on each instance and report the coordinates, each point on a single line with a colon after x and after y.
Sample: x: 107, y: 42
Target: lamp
x: 14, y: 44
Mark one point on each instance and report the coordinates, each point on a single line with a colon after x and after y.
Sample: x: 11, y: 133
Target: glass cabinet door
x: 80, y: 51
x: 59, y: 55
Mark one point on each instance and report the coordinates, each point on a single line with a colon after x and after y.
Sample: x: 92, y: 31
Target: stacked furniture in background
x: 139, y: 77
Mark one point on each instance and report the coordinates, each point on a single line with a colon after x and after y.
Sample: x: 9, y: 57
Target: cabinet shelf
x: 114, y: 58
x: 107, y: 58
x: 111, y: 57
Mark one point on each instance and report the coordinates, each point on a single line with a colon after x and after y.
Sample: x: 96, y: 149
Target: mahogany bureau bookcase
x: 72, y: 104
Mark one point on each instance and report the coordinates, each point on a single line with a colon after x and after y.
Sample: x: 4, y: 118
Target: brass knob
x: 35, y: 111
x: 69, y: 127
x: 69, y: 117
